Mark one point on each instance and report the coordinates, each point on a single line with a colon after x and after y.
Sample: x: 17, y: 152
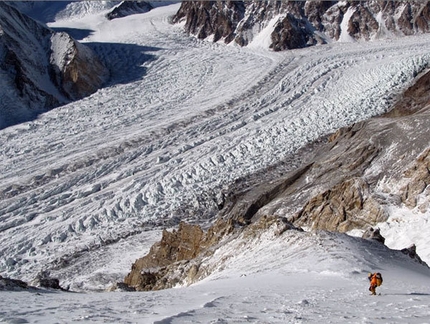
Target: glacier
x: 161, y: 148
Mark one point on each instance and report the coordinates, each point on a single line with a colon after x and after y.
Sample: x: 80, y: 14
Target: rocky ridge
x: 126, y: 8
x: 298, y: 24
x: 344, y: 184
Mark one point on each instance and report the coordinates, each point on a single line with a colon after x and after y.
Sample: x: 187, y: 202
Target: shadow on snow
x: 78, y: 34
x: 124, y: 61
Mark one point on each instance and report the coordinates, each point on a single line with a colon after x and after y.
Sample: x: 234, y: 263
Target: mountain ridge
x: 298, y: 24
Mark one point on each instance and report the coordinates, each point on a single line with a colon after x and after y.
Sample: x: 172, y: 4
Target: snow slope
x: 83, y: 186
x: 293, y: 278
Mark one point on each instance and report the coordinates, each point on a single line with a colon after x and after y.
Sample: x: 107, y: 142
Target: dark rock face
x: 290, y: 33
x: 127, y: 8
x: 44, y: 280
x: 41, y: 281
x: 12, y: 284
x: 42, y: 69
x: 302, y: 23
x: 412, y: 253
x: 373, y: 234
x: 206, y: 18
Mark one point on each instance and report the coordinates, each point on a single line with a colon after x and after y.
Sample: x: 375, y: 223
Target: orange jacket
x: 375, y: 279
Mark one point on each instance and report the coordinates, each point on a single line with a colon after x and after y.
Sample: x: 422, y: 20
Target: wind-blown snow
x: 181, y: 120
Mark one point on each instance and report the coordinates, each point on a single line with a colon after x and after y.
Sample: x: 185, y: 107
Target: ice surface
x: 181, y: 120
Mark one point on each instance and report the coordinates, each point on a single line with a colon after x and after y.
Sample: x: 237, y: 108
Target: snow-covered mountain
x: 297, y: 24
x: 190, y: 130
x: 41, y: 69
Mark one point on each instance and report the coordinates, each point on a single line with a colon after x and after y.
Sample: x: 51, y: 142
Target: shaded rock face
x: 41, y: 69
x: 302, y: 23
x: 211, y: 18
x: 291, y: 33
x: 40, y: 281
x: 44, y: 280
x: 127, y: 8
x: 79, y: 72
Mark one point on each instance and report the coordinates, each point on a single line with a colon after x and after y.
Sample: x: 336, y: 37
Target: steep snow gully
x: 182, y: 120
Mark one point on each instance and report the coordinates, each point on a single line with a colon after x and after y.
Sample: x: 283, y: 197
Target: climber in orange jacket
x: 375, y: 281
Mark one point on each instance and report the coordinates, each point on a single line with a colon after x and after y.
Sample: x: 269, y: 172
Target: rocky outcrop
x: 77, y: 70
x: 44, y: 280
x: 41, y: 69
x: 373, y: 234
x: 173, y: 254
x: 12, y: 284
x: 121, y: 286
x: 127, y: 8
x: 412, y: 253
x: 299, y: 24
x: 180, y: 257
x: 344, y: 207
x: 211, y: 18
x: 418, y: 181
